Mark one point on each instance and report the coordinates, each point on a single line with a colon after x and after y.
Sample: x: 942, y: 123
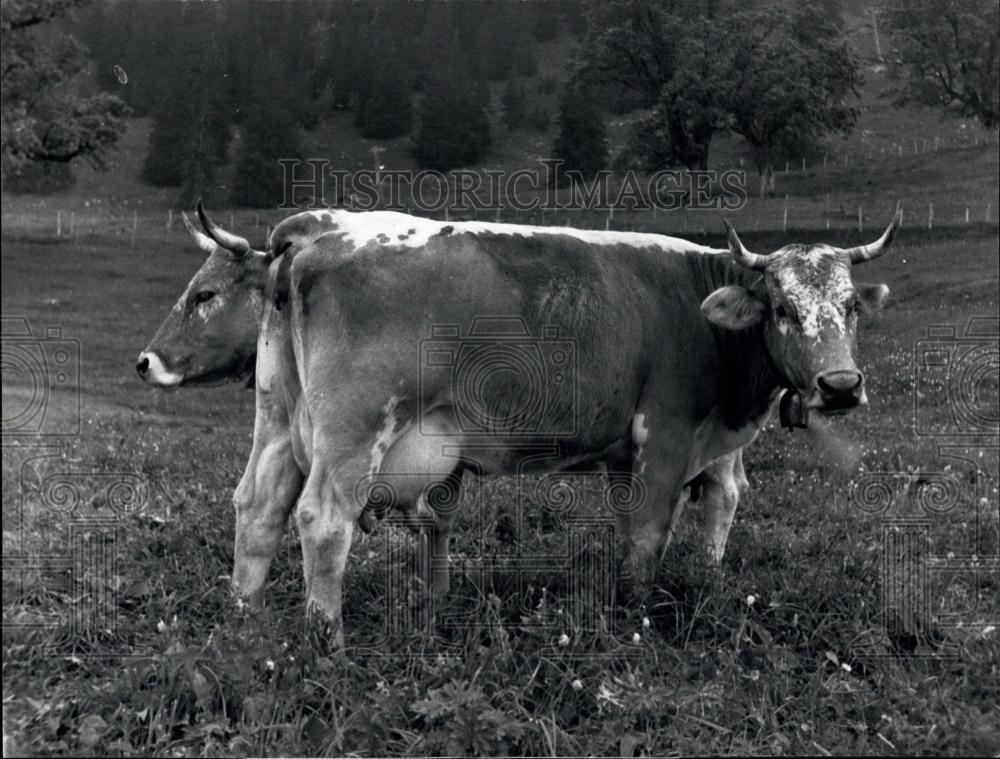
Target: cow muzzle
x: 152, y: 370
x: 837, y: 391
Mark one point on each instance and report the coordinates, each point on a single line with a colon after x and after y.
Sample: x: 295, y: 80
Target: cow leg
x: 721, y: 485
x: 662, y: 487
x: 326, y: 514
x: 263, y: 500
x: 622, y: 493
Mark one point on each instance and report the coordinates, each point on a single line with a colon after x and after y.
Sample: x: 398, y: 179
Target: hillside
x: 912, y: 155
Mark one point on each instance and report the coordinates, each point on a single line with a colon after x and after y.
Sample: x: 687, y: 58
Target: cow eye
x: 780, y: 312
x: 203, y: 296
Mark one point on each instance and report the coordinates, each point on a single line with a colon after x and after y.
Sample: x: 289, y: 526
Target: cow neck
x: 749, y: 381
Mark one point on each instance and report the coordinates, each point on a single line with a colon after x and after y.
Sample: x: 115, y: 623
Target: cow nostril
x: 836, y: 383
x: 143, y: 365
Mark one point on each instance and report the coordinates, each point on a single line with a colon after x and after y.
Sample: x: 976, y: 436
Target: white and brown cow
x: 680, y: 353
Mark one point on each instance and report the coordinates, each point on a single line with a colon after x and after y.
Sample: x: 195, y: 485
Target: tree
x: 668, y: 55
x: 191, y: 130
x: 514, y: 102
x: 268, y: 134
x: 582, y: 141
x: 545, y: 25
x: 950, y: 54
x: 524, y: 55
x: 790, y: 77
x: 779, y: 74
x: 384, y: 107
x: 454, y: 124
x: 44, y: 118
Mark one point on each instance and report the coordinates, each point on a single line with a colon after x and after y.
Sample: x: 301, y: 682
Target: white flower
x: 161, y: 626
x: 636, y: 638
x: 564, y: 640
x: 751, y: 599
x: 269, y: 663
x: 845, y: 666
x: 645, y: 623
x: 577, y: 685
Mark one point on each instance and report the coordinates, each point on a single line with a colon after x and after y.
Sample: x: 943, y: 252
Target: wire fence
x: 857, y: 210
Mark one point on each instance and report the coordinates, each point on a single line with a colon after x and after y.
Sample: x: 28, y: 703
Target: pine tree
x: 382, y: 89
x: 524, y: 55
x: 385, y: 109
x: 454, y: 120
x: 545, y: 25
x: 269, y: 134
x: 582, y: 142
x: 515, y: 105
x: 191, y: 133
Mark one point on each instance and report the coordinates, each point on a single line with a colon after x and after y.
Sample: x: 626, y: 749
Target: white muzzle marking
x: 157, y: 373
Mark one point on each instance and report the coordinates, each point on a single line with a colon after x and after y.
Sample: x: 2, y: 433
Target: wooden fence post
x: 784, y: 216
x: 58, y: 223
x: 170, y: 217
x: 930, y: 215
x: 861, y: 227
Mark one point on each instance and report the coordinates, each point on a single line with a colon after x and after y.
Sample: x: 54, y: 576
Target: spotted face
x: 809, y: 307
x: 210, y: 335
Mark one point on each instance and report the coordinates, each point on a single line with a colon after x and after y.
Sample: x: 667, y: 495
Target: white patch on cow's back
x: 408, y: 231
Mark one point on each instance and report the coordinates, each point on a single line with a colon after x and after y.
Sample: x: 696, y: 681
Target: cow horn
x: 227, y: 240
x: 864, y: 253
x: 741, y: 255
x: 205, y: 242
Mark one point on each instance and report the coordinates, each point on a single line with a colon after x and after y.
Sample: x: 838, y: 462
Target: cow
x: 682, y: 352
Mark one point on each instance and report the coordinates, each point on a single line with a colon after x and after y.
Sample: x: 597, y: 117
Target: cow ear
x: 732, y: 307
x: 871, y: 297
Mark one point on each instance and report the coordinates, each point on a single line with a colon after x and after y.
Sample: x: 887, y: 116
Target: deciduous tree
x: 45, y: 117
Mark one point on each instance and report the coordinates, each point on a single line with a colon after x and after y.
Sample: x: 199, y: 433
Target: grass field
x: 150, y: 653
x: 856, y: 611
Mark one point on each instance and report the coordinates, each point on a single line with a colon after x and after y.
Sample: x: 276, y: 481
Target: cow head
x: 211, y: 333
x: 809, y: 306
